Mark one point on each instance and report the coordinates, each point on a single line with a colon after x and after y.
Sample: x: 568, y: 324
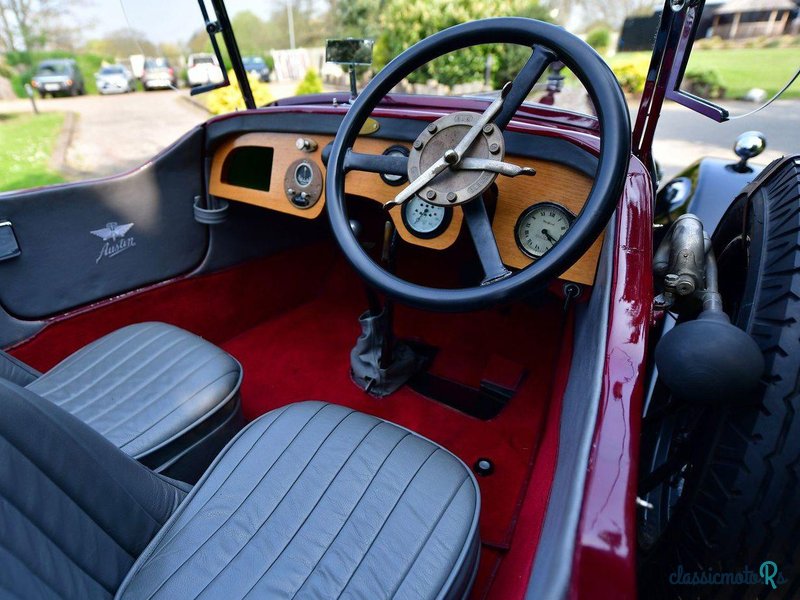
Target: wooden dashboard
x: 553, y: 182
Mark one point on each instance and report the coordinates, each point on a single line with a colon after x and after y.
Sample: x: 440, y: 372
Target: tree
x: 6, y: 31
x: 405, y: 22
x: 357, y: 18
x: 23, y: 19
x: 199, y: 42
x: 122, y: 42
x: 562, y: 9
x: 30, y: 25
x: 614, y: 13
x: 311, y: 26
x: 256, y: 36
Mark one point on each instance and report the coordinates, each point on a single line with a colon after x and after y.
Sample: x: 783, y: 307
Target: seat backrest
x: 16, y: 370
x: 75, y: 511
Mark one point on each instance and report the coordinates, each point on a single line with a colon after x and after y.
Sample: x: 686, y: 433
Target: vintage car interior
x: 396, y: 309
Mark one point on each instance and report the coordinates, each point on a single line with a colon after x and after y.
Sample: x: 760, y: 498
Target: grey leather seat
x: 152, y: 389
x: 310, y: 501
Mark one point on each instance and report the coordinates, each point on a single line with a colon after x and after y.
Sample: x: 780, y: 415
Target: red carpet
x: 303, y: 354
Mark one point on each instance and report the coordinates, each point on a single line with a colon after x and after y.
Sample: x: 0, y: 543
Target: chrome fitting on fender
x: 686, y: 264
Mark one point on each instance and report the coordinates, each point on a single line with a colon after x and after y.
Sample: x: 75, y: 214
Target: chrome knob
x: 749, y: 145
x: 305, y: 145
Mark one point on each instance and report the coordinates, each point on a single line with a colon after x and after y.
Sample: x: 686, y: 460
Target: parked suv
x: 158, y: 74
x: 58, y: 77
x: 257, y: 66
x: 203, y: 69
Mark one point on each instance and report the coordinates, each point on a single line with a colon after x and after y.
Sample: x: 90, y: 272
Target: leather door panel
x: 87, y: 241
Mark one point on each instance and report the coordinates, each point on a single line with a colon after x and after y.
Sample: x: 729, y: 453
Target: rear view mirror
x: 349, y: 51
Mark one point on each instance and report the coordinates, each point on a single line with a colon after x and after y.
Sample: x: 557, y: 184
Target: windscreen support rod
x: 233, y: 52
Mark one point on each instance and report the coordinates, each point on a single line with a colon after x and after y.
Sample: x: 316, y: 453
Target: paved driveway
x: 118, y: 132
x: 684, y: 136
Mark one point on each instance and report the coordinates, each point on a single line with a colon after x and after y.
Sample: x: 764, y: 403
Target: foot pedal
x: 500, y: 383
x: 502, y: 378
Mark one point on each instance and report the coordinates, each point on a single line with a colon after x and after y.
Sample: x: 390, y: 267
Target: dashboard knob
x: 306, y: 145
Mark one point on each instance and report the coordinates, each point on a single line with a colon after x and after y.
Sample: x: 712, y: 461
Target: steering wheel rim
x: 615, y: 148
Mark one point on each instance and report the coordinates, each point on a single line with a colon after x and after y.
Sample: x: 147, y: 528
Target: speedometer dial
x: 425, y: 220
x: 541, y: 226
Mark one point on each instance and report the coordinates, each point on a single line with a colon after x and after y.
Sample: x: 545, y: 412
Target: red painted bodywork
x: 606, y: 540
x: 604, y: 559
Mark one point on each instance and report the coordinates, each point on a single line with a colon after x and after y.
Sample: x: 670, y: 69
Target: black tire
x: 740, y: 504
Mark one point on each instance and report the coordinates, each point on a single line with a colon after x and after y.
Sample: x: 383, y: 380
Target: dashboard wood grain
x: 553, y: 182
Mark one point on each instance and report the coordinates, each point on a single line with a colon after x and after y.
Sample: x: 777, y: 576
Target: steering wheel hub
x: 454, y: 185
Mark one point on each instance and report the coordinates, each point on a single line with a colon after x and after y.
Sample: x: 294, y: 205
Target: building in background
x: 639, y: 31
x: 292, y: 65
x: 739, y: 19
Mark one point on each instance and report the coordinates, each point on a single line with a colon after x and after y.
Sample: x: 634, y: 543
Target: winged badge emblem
x: 112, y: 231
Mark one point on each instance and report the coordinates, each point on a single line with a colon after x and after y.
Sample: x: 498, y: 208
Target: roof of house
x: 740, y: 6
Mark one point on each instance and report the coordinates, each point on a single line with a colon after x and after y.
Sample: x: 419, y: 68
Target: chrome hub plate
x: 454, y: 186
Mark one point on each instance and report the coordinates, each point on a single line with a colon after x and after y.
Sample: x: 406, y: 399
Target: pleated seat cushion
x: 143, y: 386
x: 315, y: 500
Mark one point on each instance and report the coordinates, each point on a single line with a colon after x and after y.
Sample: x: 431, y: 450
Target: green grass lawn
x: 26, y: 144
x: 740, y: 68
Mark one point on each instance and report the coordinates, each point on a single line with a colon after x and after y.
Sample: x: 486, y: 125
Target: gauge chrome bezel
x: 567, y: 213
x: 302, y: 164
x: 427, y: 235
x: 401, y: 179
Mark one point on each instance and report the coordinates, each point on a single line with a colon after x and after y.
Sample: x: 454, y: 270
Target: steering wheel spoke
x: 480, y: 229
x: 523, y: 83
x: 376, y: 163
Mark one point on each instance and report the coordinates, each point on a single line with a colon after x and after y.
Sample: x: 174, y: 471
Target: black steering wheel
x: 457, y: 158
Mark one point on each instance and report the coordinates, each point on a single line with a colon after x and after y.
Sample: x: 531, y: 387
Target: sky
x: 162, y: 20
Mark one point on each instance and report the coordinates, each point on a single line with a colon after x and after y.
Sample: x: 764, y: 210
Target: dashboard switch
x: 306, y: 145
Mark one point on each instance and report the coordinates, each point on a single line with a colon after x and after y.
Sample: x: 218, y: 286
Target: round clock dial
x: 541, y: 226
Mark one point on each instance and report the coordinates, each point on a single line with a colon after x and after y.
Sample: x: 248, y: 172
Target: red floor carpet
x: 303, y: 354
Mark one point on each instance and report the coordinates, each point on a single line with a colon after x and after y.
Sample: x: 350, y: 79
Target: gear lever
x: 378, y: 364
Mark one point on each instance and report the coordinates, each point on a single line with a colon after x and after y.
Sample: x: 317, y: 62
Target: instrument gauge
x: 541, y: 226
x: 425, y: 220
x: 303, y: 174
x: 303, y: 183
